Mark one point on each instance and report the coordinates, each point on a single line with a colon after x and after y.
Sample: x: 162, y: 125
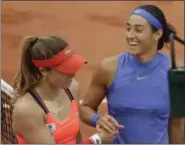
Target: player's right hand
x: 108, y: 124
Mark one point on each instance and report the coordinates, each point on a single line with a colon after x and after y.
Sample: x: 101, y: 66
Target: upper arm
x: 28, y: 121
x: 97, y: 90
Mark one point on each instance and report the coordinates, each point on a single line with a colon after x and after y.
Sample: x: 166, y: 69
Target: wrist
x: 94, y: 119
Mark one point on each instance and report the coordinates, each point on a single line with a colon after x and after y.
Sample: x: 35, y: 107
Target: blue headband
x: 151, y: 19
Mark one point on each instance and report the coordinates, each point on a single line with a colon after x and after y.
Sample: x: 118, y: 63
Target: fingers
x: 109, y: 136
x: 114, y: 122
x: 108, y: 123
x: 107, y: 126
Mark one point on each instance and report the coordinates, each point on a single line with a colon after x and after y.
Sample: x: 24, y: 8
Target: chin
x: 134, y: 52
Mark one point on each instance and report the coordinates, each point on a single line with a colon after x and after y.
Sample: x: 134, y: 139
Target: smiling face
x: 139, y: 34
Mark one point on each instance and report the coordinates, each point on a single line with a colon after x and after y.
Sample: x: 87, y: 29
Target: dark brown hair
x: 35, y: 48
x: 167, y: 28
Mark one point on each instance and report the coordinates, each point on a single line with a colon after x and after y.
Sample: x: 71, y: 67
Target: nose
x: 131, y: 34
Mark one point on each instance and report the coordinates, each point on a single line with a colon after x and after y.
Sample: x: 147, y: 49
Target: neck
x: 147, y: 56
x: 47, y: 92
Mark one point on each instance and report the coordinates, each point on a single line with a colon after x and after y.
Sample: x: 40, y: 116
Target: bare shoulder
x: 109, y: 63
x: 29, y: 121
x: 101, y: 79
x: 106, y: 70
x: 25, y: 108
x: 25, y: 104
x: 111, y: 58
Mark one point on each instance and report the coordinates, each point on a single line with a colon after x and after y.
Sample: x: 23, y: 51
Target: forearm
x: 86, y: 114
x: 176, y: 131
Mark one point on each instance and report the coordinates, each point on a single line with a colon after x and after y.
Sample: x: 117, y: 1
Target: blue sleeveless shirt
x: 138, y: 98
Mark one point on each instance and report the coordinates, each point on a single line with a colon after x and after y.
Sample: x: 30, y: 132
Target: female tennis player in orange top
x: 45, y: 110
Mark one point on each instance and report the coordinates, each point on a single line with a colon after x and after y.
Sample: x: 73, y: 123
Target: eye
x: 127, y: 28
x: 139, y: 29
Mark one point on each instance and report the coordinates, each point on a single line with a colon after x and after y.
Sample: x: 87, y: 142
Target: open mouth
x: 133, y: 43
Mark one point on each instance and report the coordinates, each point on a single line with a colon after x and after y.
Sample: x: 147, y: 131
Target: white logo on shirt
x: 141, y: 78
x: 51, y: 127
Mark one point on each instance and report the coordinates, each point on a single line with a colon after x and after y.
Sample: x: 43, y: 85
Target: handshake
x: 108, y: 128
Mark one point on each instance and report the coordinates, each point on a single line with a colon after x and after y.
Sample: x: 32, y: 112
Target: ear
x: 43, y: 71
x: 158, y: 34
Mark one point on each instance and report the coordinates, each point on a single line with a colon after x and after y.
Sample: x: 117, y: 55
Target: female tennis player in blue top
x: 136, y: 84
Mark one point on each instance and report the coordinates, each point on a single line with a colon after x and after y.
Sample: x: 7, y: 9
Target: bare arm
x: 28, y: 121
x: 97, y: 90
x: 105, y: 137
x: 177, y: 130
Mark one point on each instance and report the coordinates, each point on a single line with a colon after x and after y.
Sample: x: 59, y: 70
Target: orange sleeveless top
x: 65, y: 131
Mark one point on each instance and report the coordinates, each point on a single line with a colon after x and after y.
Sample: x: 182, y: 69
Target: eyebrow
x: 137, y: 25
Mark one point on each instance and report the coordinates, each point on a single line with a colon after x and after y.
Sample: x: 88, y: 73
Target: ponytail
x: 165, y: 39
x: 28, y: 74
x: 170, y: 29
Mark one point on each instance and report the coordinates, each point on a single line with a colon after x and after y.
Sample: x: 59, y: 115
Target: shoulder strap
x: 37, y: 98
x: 69, y: 94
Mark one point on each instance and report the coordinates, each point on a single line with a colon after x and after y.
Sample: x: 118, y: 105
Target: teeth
x: 133, y: 43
